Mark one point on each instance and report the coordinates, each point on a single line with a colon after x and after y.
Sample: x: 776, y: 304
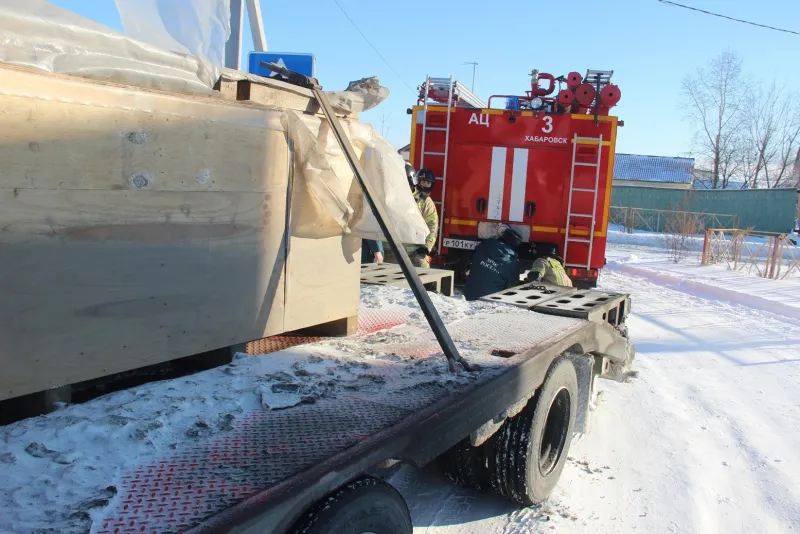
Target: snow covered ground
x: 706, y: 439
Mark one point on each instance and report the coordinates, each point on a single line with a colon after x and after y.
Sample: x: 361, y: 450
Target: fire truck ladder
x: 576, y: 140
x: 435, y: 89
x: 425, y: 129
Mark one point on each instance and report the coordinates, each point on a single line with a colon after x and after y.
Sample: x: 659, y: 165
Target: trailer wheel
x: 365, y: 506
x: 466, y: 466
x: 528, y: 453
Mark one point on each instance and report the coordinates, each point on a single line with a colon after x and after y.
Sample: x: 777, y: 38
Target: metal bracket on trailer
x: 591, y: 305
x: 417, y: 287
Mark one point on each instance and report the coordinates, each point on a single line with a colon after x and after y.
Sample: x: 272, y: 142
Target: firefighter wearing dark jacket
x: 495, y: 266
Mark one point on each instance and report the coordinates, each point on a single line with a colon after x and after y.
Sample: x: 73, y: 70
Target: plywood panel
x: 114, y: 280
x: 322, y: 280
x: 68, y: 134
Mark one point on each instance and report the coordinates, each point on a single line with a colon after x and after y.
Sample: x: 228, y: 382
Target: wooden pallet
x: 389, y: 274
x: 270, y: 93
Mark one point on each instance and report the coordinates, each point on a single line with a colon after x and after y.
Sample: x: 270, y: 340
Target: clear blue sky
x: 649, y: 45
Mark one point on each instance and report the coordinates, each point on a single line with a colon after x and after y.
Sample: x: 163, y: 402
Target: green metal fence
x: 658, y: 220
x: 765, y: 210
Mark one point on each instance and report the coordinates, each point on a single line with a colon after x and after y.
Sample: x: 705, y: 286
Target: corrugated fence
x: 765, y: 210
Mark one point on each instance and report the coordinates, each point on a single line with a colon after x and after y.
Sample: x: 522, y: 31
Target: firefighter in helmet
x: 549, y: 268
x: 421, y: 184
x: 495, y: 265
x: 424, y: 182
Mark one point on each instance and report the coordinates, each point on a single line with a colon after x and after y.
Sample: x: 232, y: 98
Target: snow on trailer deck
x: 167, y: 456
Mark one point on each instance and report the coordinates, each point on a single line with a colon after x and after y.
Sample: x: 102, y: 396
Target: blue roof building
x: 653, y: 171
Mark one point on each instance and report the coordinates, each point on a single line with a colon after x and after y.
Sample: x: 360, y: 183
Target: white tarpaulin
x: 195, y: 27
x: 36, y: 33
x: 325, y: 187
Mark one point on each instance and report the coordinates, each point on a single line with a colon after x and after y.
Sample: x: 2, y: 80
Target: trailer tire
x: 367, y: 504
x: 466, y: 466
x: 528, y: 453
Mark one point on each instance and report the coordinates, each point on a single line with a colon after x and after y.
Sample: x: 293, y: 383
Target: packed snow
x: 706, y: 439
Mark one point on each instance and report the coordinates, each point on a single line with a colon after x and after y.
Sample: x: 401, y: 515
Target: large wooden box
x: 138, y: 227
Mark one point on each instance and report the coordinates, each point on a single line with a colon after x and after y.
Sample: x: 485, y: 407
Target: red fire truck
x: 542, y: 163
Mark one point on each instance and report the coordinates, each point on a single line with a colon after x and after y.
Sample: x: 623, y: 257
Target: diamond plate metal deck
x: 173, y: 494
x: 369, y: 322
x: 203, y: 477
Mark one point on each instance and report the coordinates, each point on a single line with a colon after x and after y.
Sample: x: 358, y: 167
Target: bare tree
x: 680, y: 228
x: 772, y: 134
x: 796, y: 171
x: 715, y: 97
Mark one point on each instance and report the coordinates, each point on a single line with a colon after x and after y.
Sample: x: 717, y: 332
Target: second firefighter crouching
x: 549, y: 268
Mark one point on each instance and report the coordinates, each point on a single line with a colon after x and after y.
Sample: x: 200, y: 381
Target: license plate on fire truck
x: 466, y: 244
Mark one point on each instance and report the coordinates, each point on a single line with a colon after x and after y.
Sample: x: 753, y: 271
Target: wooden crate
x: 138, y: 226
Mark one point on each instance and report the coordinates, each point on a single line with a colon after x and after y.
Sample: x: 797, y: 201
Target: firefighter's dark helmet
x: 425, y: 175
x: 509, y: 235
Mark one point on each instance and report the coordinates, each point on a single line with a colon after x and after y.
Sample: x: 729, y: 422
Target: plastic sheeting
x: 327, y: 200
x: 36, y: 33
x: 359, y: 96
x: 194, y: 27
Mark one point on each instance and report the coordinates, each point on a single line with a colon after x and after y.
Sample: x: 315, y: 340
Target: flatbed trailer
x: 214, y: 462
x: 289, y: 441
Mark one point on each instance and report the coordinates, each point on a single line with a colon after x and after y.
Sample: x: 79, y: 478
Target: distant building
x: 704, y: 179
x: 653, y: 171
x: 405, y: 152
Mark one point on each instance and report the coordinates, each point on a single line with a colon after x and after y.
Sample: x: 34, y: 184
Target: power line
x: 373, y: 46
x: 727, y: 17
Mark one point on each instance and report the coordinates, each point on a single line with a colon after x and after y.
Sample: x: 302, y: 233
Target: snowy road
x: 707, y: 439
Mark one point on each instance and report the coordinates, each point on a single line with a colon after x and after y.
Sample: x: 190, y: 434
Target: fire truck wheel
x: 528, y: 453
x: 366, y: 505
x: 466, y: 466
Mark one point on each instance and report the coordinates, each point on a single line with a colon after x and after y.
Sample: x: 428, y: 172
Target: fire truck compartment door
x: 509, y: 178
x: 468, y: 181
x: 547, y: 185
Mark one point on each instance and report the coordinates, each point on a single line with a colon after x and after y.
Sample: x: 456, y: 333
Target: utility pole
x: 474, y: 64
x: 233, y: 48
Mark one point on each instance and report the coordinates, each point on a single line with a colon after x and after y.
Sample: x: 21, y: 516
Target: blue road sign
x: 302, y: 63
